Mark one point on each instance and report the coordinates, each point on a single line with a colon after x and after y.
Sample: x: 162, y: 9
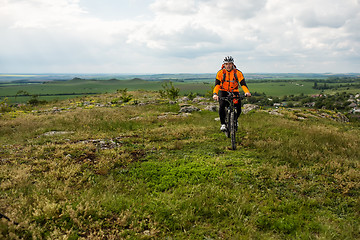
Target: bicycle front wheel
x: 227, y: 123
x: 232, y: 130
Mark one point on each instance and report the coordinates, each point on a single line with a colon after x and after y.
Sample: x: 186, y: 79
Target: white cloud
x: 41, y: 13
x: 328, y: 14
x: 243, y: 9
x: 184, y: 7
x: 263, y: 35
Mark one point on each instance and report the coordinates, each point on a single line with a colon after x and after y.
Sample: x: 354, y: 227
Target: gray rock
x: 198, y: 99
x: 184, y: 114
x: 183, y: 99
x: 53, y: 133
x: 212, y: 108
x: 249, y: 107
x: 189, y: 109
x: 275, y: 112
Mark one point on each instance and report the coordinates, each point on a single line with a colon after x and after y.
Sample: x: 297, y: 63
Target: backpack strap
x: 236, y: 76
x: 224, y: 76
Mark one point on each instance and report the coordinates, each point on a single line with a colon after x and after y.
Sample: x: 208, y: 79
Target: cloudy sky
x: 179, y: 36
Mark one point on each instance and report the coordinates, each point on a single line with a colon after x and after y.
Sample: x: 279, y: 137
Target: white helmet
x: 228, y: 59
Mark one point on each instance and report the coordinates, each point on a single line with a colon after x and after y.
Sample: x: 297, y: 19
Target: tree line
x: 337, y: 101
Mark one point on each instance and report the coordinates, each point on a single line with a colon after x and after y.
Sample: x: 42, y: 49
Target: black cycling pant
x: 223, y: 104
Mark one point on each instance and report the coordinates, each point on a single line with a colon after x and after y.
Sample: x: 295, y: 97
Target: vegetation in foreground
x: 85, y: 169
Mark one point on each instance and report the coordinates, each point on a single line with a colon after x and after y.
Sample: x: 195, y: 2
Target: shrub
x: 169, y: 91
x: 4, y: 106
x: 192, y: 95
x: 125, y: 97
x: 115, y: 100
x: 34, y: 101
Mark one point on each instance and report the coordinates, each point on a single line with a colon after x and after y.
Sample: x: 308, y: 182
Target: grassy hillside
x: 86, y: 169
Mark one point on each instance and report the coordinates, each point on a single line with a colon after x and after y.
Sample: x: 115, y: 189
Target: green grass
x: 175, y: 177
x: 279, y: 89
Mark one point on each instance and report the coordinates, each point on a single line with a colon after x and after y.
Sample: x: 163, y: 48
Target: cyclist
x: 228, y: 79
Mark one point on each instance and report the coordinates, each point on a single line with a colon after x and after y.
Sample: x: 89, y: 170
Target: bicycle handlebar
x: 231, y: 97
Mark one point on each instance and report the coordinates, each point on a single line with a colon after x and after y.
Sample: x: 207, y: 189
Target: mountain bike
x: 231, y: 117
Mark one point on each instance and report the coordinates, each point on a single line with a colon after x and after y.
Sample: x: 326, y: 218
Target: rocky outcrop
x: 249, y: 107
x: 189, y: 109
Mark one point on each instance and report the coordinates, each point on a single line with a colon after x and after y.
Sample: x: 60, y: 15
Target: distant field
x: 71, y: 88
x: 52, y: 90
x: 58, y: 89
x: 16, y: 75
x: 283, y: 88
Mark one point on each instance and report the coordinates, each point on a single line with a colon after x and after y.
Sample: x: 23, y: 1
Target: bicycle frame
x: 231, y: 117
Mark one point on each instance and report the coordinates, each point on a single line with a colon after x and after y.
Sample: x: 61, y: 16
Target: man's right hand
x: 216, y: 97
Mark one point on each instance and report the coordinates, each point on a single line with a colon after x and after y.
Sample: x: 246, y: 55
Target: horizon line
x: 84, y: 73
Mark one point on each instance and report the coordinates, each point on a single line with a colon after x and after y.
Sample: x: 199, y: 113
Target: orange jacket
x: 227, y: 81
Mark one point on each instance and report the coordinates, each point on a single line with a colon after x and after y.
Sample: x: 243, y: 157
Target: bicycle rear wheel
x: 232, y: 130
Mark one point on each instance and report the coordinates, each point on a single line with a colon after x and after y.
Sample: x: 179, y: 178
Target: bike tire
x: 227, y: 123
x: 232, y: 130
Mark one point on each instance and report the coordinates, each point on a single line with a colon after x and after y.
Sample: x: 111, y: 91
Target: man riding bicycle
x: 228, y: 79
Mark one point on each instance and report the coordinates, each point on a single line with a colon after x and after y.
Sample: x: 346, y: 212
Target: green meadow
x: 83, y: 169
x: 278, y: 89
x: 59, y: 90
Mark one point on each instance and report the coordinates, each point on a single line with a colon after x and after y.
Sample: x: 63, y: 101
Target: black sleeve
x: 243, y: 83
